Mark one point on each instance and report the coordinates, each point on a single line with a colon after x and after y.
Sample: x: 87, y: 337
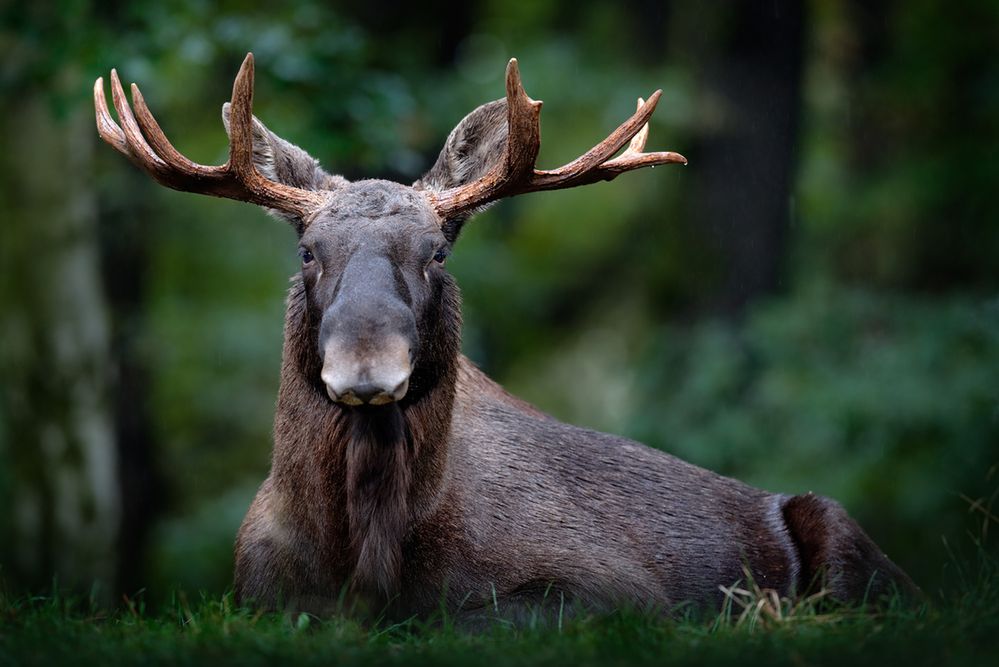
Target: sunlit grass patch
x: 749, y: 605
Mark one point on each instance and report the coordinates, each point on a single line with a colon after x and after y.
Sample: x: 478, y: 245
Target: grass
x: 759, y: 628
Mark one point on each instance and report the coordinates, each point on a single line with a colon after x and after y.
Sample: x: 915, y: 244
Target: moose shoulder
x: 402, y: 476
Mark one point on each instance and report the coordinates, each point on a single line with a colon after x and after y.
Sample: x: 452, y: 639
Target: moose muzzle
x: 368, y: 374
x: 367, y: 338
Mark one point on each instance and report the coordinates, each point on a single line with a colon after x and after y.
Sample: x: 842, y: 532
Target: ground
x: 959, y: 628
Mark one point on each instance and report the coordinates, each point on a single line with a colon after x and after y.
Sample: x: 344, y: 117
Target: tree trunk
x: 125, y: 245
x: 57, y: 443
x: 744, y: 166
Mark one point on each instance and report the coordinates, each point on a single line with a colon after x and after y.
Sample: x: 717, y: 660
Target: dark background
x: 811, y: 304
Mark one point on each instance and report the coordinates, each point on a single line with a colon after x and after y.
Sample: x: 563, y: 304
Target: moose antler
x: 141, y: 140
x: 516, y: 173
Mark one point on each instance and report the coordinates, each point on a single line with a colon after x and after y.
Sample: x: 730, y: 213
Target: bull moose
x: 402, y: 476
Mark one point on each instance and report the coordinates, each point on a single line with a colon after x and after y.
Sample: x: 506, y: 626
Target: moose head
x: 373, y: 251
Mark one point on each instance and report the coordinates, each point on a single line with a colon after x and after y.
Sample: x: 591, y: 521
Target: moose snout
x: 375, y: 375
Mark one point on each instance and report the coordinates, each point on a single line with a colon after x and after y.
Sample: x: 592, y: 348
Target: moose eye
x: 441, y: 255
x: 306, y: 255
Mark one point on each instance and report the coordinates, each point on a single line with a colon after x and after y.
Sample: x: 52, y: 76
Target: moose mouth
x: 368, y: 394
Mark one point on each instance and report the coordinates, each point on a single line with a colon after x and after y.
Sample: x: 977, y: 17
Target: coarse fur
x: 463, y: 495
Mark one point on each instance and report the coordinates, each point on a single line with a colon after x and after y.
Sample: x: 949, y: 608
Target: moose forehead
x: 374, y: 207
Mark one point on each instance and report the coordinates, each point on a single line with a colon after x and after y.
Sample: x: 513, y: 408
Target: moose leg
x: 837, y: 554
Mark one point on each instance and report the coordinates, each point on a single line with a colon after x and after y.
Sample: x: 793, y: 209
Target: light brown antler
x: 141, y: 140
x: 516, y: 173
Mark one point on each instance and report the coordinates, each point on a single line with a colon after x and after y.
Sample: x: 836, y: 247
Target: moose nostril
x: 366, y: 392
x: 400, y: 389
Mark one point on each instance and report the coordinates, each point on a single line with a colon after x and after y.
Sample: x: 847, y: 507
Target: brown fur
x: 835, y: 552
x: 500, y: 499
x: 462, y: 495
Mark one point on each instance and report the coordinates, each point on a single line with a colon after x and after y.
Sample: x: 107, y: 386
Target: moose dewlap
x: 403, y: 478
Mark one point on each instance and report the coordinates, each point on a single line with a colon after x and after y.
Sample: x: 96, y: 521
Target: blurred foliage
x: 899, y: 166
x: 872, y: 378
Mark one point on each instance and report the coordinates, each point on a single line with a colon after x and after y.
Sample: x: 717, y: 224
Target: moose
x: 403, y: 478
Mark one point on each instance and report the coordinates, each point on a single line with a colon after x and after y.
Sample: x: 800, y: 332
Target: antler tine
x: 632, y: 158
x: 566, y: 174
x: 516, y: 174
x: 106, y: 127
x: 143, y: 141
x: 161, y: 160
x: 611, y: 169
x: 157, y: 139
x: 637, y: 144
x: 523, y: 126
x: 140, y: 151
x: 241, y: 123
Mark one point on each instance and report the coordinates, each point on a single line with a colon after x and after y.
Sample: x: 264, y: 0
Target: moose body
x: 402, y: 476
x: 506, y: 501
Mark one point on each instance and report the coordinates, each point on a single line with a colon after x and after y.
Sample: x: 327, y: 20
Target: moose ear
x: 283, y: 162
x: 474, y: 146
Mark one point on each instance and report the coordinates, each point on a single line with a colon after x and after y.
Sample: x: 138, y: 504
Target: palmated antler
x: 142, y: 141
x: 516, y: 173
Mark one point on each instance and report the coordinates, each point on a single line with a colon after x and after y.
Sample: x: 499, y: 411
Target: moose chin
x: 402, y: 477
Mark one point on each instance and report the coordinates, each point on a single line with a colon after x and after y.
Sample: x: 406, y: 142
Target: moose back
x: 405, y: 478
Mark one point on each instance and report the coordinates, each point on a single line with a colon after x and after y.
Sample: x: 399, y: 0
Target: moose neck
x: 377, y: 470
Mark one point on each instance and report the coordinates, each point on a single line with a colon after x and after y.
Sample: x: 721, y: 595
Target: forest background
x: 810, y: 305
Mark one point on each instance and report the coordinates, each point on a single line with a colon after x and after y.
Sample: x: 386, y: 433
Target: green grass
x: 962, y: 629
